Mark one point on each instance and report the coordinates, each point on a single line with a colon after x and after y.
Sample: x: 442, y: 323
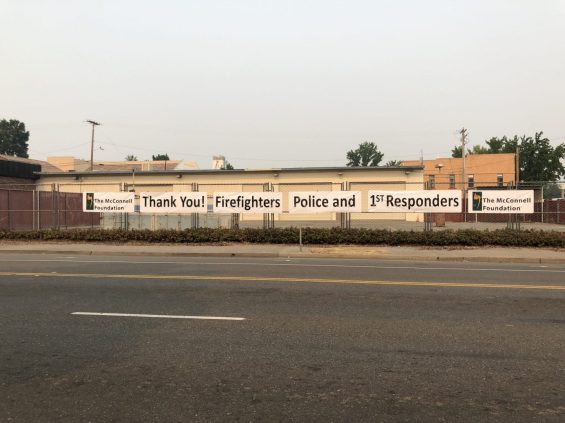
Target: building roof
x: 45, y: 166
x: 71, y: 164
x: 225, y: 172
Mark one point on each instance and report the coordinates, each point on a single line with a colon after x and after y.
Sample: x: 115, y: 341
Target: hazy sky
x: 280, y: 83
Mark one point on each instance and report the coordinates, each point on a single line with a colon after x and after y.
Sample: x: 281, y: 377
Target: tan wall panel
x: 247, y: 181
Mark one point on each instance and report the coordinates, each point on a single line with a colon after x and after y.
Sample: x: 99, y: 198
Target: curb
x: 531, y: 260
x: 140, y: 253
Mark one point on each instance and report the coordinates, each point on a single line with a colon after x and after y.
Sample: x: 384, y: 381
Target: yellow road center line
x: 291, y: 280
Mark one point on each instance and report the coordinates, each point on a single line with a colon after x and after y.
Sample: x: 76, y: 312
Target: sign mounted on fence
x: 448, y: 201
x: 108, y: 202
x: 324, y: 201
x: 247, y: 202
x: 173, y: 202
x: 501, y: 201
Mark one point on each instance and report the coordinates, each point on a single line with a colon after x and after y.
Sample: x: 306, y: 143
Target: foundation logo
x: 89, y: 201
x: 477, y: 201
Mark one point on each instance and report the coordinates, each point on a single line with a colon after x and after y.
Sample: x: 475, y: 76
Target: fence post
x: 66, y: 211
x: 53, y: 207
x: 9, y: 211
x: 38, y: 210
x: 195, y: 216
x: 33, y: 207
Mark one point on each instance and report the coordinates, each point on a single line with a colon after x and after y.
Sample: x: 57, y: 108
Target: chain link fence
x: 59, y: 206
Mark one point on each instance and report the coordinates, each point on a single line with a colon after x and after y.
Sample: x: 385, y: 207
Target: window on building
x: 432, y: 181
x: 471, y: 181
x: 451, y: 181
x: 499, y: 181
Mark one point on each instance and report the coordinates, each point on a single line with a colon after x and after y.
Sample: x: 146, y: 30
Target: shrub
x: 310, y: 236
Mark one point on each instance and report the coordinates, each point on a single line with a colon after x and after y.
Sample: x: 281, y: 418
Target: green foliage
x: 131, y: 158
x: 539, y: 160
x: 13, y: 138
x: 476, y: 149
x: 310, y: 236
x: 228, y: 166
x: 161, y: 157
x: 393, y: 163
x: 367, y: 154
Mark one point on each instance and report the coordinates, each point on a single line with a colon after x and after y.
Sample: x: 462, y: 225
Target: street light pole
x: 93, y: 123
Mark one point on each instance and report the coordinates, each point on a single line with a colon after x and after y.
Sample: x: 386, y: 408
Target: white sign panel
x: 501, y: 201
x: 247, y: 202
x: 324, y: 201
x: 173, y: 202
x: 448, y: 201
x: 108, y: 202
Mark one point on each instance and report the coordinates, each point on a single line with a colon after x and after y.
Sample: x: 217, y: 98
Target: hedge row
x: 310, y: 236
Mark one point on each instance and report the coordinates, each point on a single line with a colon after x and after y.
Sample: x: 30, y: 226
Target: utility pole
x: 93, y: 123
x: 464, y: 135
x: 517, y: 166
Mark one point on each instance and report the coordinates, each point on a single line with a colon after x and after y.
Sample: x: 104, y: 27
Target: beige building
x: 72, y: 164
x: 481, y: 170
x: 276, y: 180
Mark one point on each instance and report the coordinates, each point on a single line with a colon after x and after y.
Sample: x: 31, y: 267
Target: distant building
x: 218, y: 162
x: 481, y: 171
x: 561, y: 186
x: 71, y: 164
x: 22, y: 173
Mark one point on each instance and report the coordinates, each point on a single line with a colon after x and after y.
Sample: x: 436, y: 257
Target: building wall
x: 7, y: 182
x: 244, y: 180
x: 486, y: 168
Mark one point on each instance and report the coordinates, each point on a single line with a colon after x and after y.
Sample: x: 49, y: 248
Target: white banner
x: 108, y: 202
x: 501, y: 201
x: 173, y: 202
x: 448, y: 201
x: 247, y: 202
x: 324, y: 201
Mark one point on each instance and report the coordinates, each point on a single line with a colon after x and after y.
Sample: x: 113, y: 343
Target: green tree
x: 227, y: 166
x: 131, y: 158
x: 161, y: 157
x: 13, y: 138
x: 394, y: 163
x: 476, y: 149
x: 456, y: 152
x: 367, y: 154
x: 539, y: 160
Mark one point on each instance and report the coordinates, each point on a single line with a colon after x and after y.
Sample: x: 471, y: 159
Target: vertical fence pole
x: 33, y: 225
x: 66, y: 211
x: 9, y: 210
x: 300, y: 237
x: 38, y: 210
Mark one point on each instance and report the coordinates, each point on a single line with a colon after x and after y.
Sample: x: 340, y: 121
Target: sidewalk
x: 489, y: 254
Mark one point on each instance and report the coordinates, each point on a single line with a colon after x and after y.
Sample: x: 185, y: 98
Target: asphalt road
x: 321, y: 340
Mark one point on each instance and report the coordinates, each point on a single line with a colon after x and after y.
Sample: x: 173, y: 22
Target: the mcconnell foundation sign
x: 108, y: 202
x: 501, y: 201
